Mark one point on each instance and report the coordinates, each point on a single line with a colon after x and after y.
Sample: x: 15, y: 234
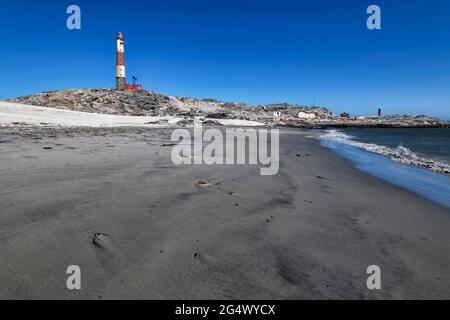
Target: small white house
x: 304, y: 115
x: 277, y: 113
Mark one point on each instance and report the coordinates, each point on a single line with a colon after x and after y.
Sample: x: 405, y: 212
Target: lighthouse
x: 121, y: 81
x: 120, y: 63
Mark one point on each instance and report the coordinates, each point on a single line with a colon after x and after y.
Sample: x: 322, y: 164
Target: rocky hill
x: 137, y: 103
x: 107, y: 101
x: 147, y: 103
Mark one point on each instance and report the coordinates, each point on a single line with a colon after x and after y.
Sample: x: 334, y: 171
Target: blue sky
x: 249, y: 51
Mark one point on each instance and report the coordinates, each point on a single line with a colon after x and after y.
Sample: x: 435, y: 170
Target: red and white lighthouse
x: 120, y: 63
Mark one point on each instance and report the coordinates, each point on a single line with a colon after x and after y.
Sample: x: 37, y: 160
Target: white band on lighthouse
x: 120, y: 46
x: 120, y: 72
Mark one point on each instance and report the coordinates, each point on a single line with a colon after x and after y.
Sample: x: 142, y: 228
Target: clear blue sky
x: 248, y: 51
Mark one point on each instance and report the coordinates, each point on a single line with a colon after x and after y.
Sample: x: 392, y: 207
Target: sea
x: 415, y: 159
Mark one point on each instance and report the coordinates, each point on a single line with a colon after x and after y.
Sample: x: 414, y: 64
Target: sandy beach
x: 308, y: 232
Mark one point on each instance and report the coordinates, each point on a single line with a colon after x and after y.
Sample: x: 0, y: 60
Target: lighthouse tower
x: 120, y: 63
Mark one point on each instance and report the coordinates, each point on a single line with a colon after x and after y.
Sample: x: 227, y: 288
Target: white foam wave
x: 399, y: 153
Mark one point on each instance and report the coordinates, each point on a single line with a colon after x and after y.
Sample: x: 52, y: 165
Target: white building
x: 304, y: 115
x: 277, y: 113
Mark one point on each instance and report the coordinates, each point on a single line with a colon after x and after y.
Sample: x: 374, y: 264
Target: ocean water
x: 427, y: 148
x: 426, y: 143
x: 415, y: 159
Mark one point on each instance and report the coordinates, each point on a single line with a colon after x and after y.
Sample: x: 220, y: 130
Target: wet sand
x: 309, y: 232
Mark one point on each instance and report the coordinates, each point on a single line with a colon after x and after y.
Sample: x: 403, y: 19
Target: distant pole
x: 120, y: 62
x: 379, y: 112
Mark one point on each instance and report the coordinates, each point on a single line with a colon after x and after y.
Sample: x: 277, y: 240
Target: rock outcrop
x: 147, y: 103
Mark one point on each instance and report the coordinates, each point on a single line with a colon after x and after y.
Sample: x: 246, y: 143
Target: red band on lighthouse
x: 120, y: 59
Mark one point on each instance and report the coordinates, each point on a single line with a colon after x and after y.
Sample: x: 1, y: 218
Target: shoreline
x: 399, y: 153
x: 309, y: 232
x: 421, y: 181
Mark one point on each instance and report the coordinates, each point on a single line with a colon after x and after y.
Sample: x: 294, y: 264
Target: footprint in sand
x: 203, y: 183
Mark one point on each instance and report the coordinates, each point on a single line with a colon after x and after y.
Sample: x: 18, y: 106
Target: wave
x: 399, y: 153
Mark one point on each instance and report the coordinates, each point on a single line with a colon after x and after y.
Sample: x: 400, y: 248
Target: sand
x: 16, y: 113
x: 309, y: 232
